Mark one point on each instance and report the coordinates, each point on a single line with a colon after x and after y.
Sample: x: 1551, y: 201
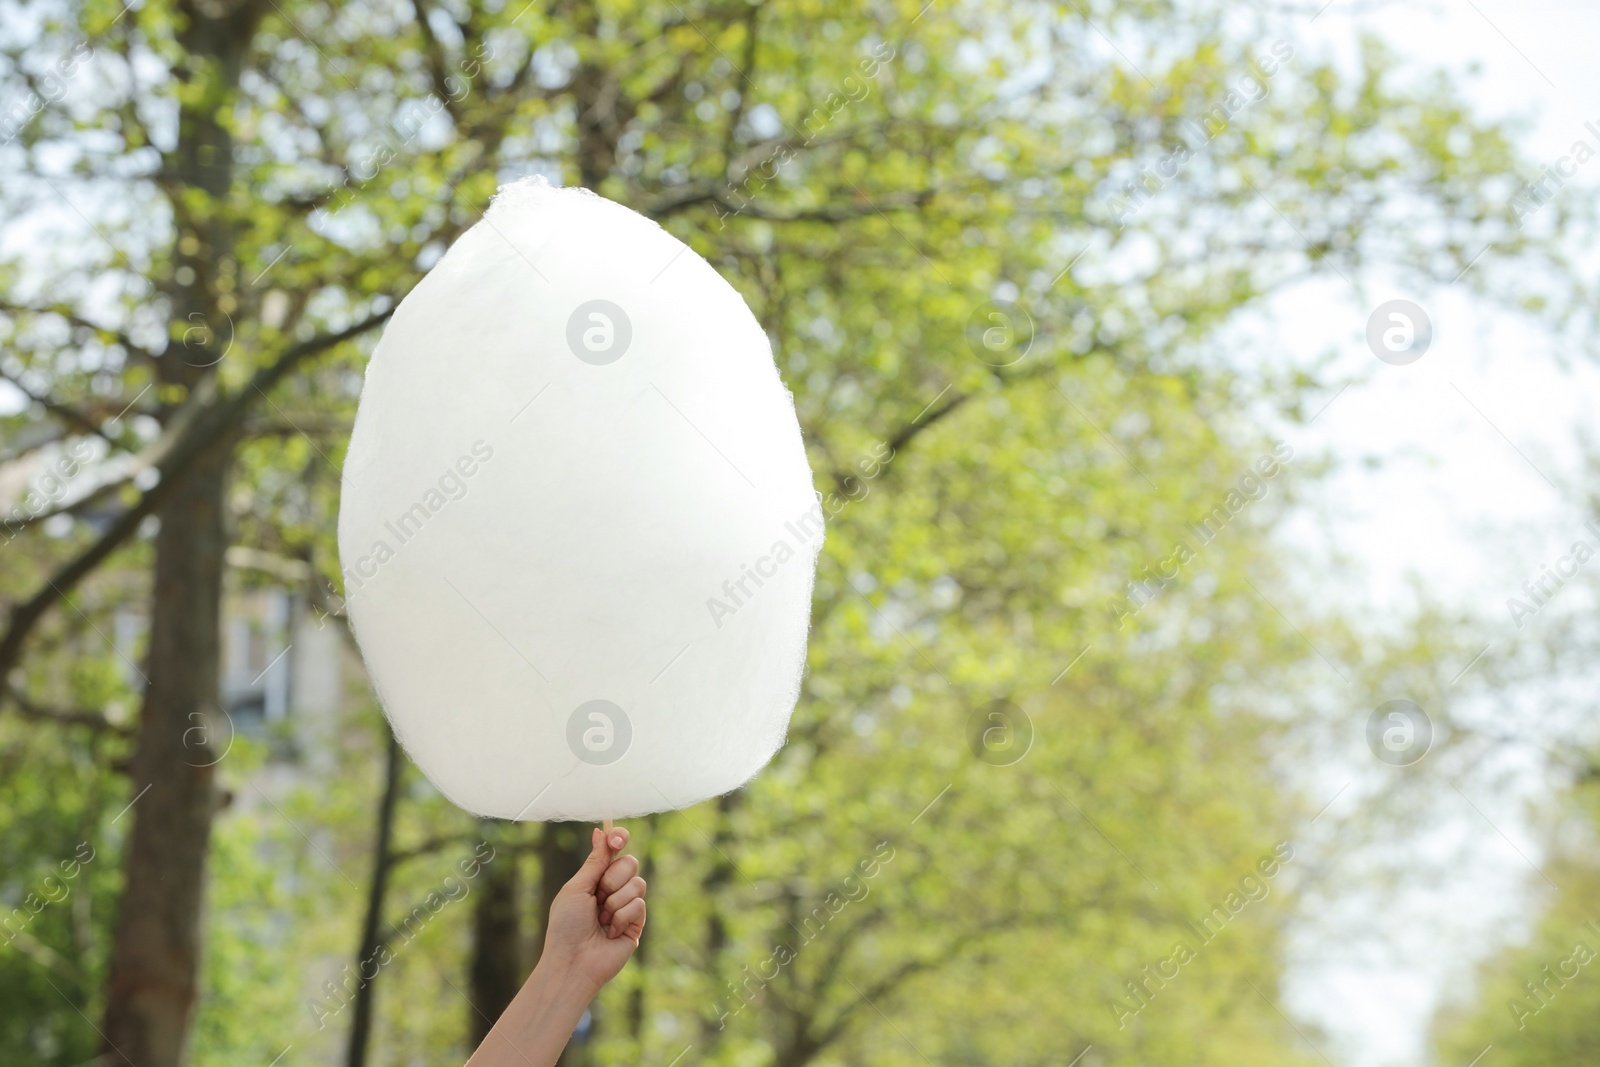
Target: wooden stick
x: 605, y: 825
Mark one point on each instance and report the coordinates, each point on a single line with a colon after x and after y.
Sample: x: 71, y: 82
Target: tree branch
x: 833, y: 212
x: 16, y: 526
x: 427, y: 847
x: 198, y: 426
x: 64, y: 312
x: 434, y: 55
x: 897, y: 441
x: 65, y: 412
x: 899, y: 976
x: 64, y: 716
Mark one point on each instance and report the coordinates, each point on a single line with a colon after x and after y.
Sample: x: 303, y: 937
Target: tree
x: 900, y: 194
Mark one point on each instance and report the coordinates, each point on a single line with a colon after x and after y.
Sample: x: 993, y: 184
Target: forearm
x: 595, y: 923
x: 538, y: 1022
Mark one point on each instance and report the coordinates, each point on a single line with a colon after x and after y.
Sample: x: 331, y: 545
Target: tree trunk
x: 153, y: 986
x: 367, y: 960
x: 641, y: 955
x: 713, y: 886
x: 562, y: 849
x: 155, y: 956
x: 497, y: 952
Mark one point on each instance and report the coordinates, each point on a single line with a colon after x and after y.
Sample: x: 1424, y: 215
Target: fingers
x: 628, y: 921
x: 616, y: 876
x: 601, y: 875
x: 632, y: 890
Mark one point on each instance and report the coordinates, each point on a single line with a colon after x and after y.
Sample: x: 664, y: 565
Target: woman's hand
x: 596, y: 919
x: 595, y: 923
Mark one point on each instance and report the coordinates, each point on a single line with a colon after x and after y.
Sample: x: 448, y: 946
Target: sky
x: 1458, y: 472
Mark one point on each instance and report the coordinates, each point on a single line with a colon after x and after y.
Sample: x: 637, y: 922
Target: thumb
x: 599, y: 858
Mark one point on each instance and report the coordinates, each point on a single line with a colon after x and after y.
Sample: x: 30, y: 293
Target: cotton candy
x: 578, y: 531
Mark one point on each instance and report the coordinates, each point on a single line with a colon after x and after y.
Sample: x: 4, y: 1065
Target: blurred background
x: 1200, y: 651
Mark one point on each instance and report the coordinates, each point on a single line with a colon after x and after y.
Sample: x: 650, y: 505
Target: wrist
x: 561, y: 982
x: 540, y: 1019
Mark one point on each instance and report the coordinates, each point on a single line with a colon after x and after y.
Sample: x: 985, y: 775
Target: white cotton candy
x: 578, y: 529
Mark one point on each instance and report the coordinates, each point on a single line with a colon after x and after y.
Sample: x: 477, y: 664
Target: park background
x: 210, y: 209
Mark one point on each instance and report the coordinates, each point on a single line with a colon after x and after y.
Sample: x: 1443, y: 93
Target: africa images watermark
x: 855, y: 90
x: 340, y: 991
x: 400, y: 133
x: 1542, y: 990
x: 1532, y: 197
x: 1252, y: 486
x: 1252, y: 889
x: 452, y: 485
x: 51, y: 889
x: 736, y: 591
x: 854, y: 890
x: 50, y: 87
x: 51, y: 488
x: 1551, y: 577
x: 1198, y: 133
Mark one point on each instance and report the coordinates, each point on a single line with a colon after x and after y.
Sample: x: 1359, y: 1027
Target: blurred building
x: 287, y: 668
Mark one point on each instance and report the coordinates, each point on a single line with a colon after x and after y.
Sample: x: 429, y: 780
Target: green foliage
x: 58, y: 855
x: 1537, y: 1002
